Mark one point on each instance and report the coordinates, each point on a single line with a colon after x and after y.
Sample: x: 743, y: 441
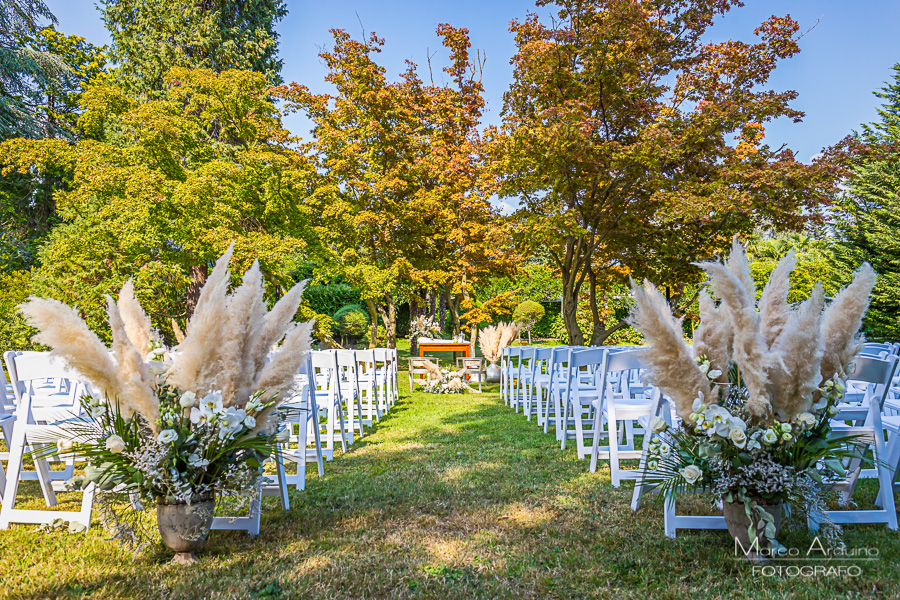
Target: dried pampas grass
x: 670, y: 362
x: 228, y: 346
x: 508, y: 333
x: 774, y: 309
x: 842, y: 321
x: 61, y: 328
x: 782, y: 353
x: 489, y: 342
x: 795, y: 377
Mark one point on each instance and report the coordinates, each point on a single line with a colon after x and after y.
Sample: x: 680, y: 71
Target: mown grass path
x: 448, y: 497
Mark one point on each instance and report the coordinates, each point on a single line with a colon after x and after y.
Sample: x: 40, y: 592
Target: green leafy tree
x: 527, y: 314
x: 152, y: 36
x: 816, y: 263
x: 868, y: 217
x: 618, y: 134
x: 166, y: 186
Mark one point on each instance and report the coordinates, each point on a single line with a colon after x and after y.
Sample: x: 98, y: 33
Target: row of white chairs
x: 596, y: 397
x: 43, y: 392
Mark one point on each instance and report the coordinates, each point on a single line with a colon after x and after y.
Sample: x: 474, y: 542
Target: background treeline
x: 629, y: 146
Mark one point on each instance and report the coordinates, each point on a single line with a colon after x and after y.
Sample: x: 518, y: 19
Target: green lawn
x: 449, y: 497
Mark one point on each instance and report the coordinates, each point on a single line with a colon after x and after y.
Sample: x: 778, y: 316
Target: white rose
x: 64, y: 445
x: 691, y: 473
x: 770, y: 437
x: 738, y: 437
x: 658, y: 424
x: 188, y: 399
x: 167, y: 436
x: 115, y: 444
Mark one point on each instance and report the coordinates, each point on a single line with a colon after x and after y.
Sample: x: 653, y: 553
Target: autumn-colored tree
x: 617, y: 136
x: 166, y: 185
x: 398, y: 206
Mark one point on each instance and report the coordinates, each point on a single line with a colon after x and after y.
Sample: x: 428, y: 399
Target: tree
x: 527, y: 314
x: 166, y: 185
x: 152, y: 36
x: 398, y: 205
x: 616, y: 135
x: 868, y: 216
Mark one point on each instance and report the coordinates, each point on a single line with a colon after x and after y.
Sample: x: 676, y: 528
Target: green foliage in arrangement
x: 868, y: 219
x: 151, y: 36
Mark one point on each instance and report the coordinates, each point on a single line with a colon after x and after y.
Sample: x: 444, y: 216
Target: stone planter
x: 185, y: 527
x: 492, y: 373
x: 738, y: 524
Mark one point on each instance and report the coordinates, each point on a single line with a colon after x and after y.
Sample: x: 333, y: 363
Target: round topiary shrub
x: 527, y: 314
x: 351, y: 321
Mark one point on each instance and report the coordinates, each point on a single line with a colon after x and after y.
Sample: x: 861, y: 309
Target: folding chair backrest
x: 590, y: 359
x: 877, y: 371
x: 43, y: 377
x: 365, y: 361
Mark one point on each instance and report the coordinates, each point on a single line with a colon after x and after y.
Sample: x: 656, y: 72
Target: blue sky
x: 842, y: 60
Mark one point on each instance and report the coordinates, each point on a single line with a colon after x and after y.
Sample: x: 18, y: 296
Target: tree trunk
x: 442, y: 309
x: 373, y: 317
x: 569, y: 313
x: 389, y: 316
x: 453, y: 307
x: 198, y: 278
x: 413, y: 313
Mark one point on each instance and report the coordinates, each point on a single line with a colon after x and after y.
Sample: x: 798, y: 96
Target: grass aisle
x: 449, y: 497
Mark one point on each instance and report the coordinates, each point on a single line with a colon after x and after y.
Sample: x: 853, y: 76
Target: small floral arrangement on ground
x: 173, y: 426
x: 446, y: 381
x: 756, y: 393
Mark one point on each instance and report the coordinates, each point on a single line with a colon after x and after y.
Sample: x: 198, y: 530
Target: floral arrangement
x: 423, y: 327
x: 756, y: 393
x: 443, y: 381
x: 494, y: 338
x: 176, y: 426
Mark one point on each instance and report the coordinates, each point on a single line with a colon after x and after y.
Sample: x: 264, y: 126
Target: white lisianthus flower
x: 249, y: 422
x: 188, y: 399
x: 770, y: 437
x: 652, y: 464
x: 64, y: 445
x: 691, y: 474
x: 738, y: 437
x: 714, y: 374
x: 283, y: 436
x: 786, y: 437
x: 665, y: 450
x: 786, y: 427
x: 753, y: 445
x: 97, y: 412
x: 115, y: 444
x: 167, y: 436
x: 194, y: 460
x: 658, y: 424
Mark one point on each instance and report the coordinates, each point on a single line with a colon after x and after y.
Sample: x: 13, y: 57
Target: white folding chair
x: 302, y: 414
x: 471, y: 367
x: 384, y: 379
x: 525, y: 381
x: 866, y: 418
x: 367, y: 385
x: 580, y: 398
x: 324, y: 381
x: 619, y: 405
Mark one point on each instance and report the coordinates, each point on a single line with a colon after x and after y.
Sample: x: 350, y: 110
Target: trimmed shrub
x: 527, y: 314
